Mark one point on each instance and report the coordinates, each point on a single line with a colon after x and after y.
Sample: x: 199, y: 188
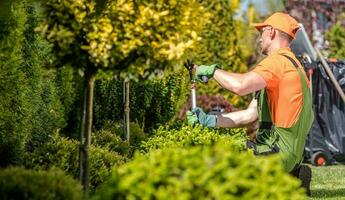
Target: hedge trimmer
x: 190, y: 66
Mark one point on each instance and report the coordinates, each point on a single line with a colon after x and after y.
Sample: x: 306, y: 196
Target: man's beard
x: 263, y: 50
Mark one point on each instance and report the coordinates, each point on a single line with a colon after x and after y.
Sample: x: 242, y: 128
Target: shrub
x: 191, y: 136
x: 106, y: 138
x: 20, y: 184
x: 64, y: 153
x: 152, y: 103
x: 137, y: 135
x: 336, y: 38
x: 202, y: 172
x: 110, y: 137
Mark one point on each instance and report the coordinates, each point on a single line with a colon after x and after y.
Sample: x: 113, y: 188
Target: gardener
x: 283, y: 102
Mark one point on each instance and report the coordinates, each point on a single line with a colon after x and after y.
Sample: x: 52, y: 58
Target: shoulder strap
x: 291, y: 59
x: 303, y: 78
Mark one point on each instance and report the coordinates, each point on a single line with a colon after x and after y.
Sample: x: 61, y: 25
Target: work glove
x: 197, y: 115
x: 205, y: 70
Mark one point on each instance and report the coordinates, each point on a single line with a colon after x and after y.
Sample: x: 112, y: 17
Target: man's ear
x: 273, y: 33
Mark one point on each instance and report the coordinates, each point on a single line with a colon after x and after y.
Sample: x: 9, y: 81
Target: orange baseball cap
x: 282, y: 22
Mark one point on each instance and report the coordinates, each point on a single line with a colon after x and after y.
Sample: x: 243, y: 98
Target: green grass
x: 328, y: 183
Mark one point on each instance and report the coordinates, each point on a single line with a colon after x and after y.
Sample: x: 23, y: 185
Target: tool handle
x: 193, y: 97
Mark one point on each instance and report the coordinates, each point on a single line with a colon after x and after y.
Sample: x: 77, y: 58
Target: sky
x: 260, y: 5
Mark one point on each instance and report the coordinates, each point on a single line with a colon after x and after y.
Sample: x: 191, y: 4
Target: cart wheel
x: 319, y: 159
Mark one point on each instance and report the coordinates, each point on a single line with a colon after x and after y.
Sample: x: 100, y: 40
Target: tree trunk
x: 127, y: 110
x: 86, y: 125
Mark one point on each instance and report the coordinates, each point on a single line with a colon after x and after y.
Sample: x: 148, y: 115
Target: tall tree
x: 14, y: 101
x: 119, y: 35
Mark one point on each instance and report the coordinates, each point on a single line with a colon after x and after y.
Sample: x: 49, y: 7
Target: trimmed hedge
x: 21, y: 184
x: 192, y: 136
x: 63, y: 153
x: 218, y: 171
x: 152, y: 103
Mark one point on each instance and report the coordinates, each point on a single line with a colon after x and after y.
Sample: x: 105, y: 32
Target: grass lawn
x: 328, y: 182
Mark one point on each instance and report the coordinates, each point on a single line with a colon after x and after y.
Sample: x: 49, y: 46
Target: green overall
x: 289, y: 142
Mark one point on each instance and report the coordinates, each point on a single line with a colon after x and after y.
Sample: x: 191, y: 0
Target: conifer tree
x: 14, y: 90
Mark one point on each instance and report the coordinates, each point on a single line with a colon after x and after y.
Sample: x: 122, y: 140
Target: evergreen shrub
x: 23, y: 184
x: 152, y: 103
x: 106, y: 138
x: 110, y: 138
x: 63, y: 153
x: 220, y: 171
x: 192, y: 136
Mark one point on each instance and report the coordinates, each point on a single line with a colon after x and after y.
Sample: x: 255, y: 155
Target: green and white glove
x: 205, y: 70
x: 197, y: 115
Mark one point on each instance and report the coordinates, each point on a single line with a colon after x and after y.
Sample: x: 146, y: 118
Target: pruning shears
x: 190, y: 66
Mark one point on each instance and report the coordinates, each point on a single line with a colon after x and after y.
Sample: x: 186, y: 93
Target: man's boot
x: 303, y: 172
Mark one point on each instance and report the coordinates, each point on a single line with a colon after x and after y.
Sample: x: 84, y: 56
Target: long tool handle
x: 330, y: 74
x: 193, y: 97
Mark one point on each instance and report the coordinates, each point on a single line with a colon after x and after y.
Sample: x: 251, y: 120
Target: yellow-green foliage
x: 222, y: 43
x: 167, y: 28
x: 193, y: 136
x: 220, y: 171
x: 124, y: 30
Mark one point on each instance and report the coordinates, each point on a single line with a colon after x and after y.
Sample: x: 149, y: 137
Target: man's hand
x: 204, y: 70
x: 199, y: 116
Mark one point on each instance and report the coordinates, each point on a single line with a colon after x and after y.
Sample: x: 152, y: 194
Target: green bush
x: 63, y: 153
x: 192, y: 136
x: 152, y: 103
x: 21, y: 184
x: 220, y: 171
x: 110, y: 139
x: 336, y: 38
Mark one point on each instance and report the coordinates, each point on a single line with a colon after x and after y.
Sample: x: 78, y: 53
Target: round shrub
x: 220, y: 171
x: 110, y: 139
x: 18, y: 183
x: 191, y: 136
x: 63, y: 153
